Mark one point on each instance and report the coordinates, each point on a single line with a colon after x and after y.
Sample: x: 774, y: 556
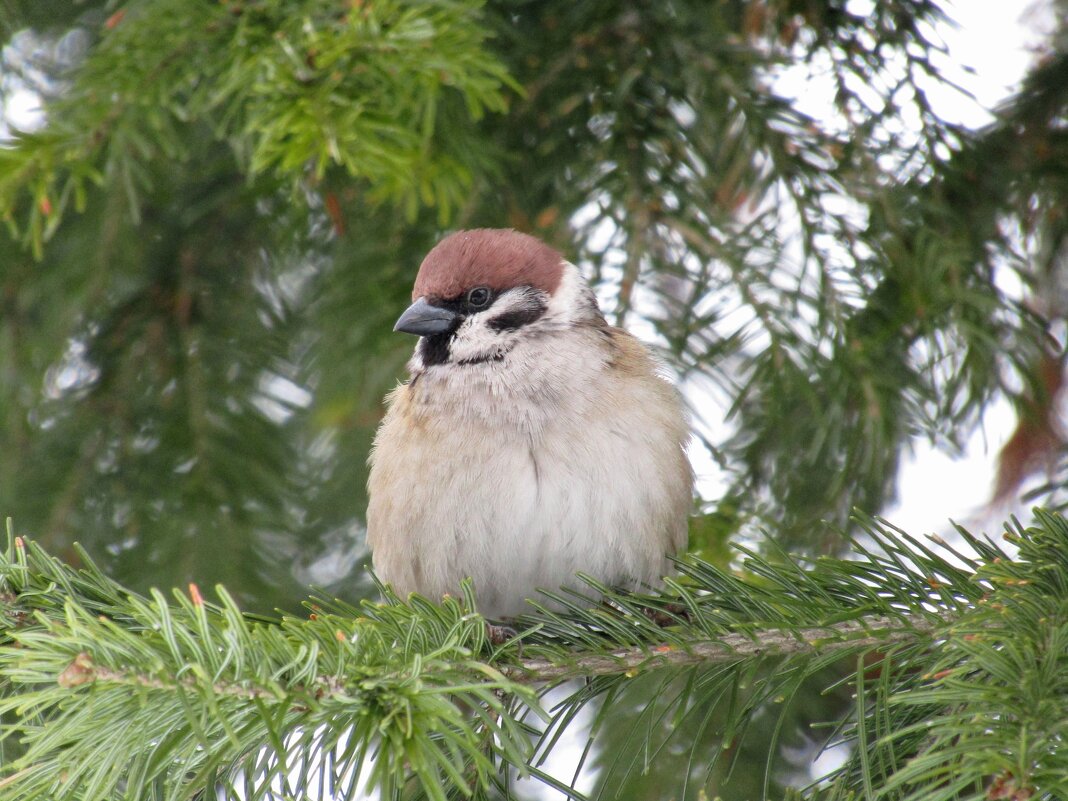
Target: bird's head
x: 482, y: 292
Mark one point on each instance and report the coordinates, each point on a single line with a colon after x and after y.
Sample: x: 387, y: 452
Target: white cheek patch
x: 573, y: 300
x: 517, y: 316
x: 474, y: 341
x: 566, y: 294
x: 489, y: 335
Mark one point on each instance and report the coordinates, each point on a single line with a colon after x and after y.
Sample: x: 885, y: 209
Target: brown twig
x: 866, y: 633
x: 851, y: 634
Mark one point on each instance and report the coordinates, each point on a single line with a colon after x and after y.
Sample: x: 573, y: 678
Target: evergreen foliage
x: 209, y: 231
x: 959, y: 678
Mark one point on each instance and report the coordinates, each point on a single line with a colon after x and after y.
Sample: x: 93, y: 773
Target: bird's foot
x: 499, y: 635
x: 668, y: 615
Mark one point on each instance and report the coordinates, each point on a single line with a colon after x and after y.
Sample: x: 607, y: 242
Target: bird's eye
x: 479, y: 297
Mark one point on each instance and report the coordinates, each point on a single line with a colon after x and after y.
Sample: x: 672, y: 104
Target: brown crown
x: 498, y: 258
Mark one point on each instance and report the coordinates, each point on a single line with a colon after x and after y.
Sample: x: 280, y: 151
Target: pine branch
x: 196, y: 695
x: 363, y: 92
x: 849, y: 635
x: 877, y: 632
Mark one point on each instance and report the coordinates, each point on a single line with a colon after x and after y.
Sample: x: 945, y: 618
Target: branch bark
x: 850, y: 634
x: 847, y: 635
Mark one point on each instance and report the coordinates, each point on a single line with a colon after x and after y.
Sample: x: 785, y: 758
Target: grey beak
x: 425, y: 320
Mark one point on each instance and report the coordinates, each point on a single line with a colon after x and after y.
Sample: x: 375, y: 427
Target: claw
x: 499, y: 635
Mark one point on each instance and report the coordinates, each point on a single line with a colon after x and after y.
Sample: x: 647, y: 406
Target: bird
x: 532, y: 440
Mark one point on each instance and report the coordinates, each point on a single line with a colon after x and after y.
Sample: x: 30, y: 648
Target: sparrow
x: 533, y: 440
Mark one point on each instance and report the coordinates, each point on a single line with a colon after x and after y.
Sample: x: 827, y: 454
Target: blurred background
x: 848, y: 246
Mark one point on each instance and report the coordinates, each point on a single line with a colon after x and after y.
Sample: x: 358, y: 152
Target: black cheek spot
x: 510, y: 321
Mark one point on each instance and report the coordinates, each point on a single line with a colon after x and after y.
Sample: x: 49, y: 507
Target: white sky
x: 998, y: 40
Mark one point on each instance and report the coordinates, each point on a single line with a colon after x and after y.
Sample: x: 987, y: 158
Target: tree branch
x: 850, y: 634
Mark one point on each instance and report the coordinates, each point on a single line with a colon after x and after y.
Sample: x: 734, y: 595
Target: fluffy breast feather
x: 568, y: 456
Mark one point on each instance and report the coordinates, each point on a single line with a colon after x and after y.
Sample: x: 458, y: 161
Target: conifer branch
x: 832, y: 282
x: 875, y: 632
x: 947, y: 646
x: 851, y: 635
